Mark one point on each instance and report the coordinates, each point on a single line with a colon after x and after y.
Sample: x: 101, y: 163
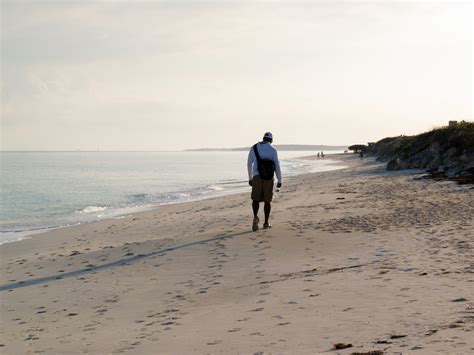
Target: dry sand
x: 356, y: 256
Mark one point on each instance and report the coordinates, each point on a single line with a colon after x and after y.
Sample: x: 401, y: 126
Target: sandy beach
x: 359, y: 258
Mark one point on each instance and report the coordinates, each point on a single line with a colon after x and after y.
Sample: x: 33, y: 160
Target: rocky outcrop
x: 394, y: 164
x: 447, y: 150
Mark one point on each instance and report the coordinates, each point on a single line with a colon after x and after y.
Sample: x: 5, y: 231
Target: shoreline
x: 359, y: 256
x: 21, y: 235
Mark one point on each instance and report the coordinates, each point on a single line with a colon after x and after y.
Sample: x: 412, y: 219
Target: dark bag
x: 266, y: 167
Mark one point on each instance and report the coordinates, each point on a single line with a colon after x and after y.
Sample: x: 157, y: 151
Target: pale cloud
x: 148, y: 75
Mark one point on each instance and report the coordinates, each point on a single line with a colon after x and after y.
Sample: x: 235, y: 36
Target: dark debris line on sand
x: 307, y: 273
x: 341, y: 346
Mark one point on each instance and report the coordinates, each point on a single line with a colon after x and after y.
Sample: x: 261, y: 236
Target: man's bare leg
x: 267, y: 208
x: 255, y: 207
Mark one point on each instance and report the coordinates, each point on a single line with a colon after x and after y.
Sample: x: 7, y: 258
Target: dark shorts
x: 262, y: 190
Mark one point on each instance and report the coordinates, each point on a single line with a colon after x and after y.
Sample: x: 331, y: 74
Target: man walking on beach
x: 262, y: 163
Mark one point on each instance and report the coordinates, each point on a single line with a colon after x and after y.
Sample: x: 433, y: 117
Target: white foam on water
x: 215, y: 188
x: 10, y: 238
x: 92, y: 209
x: 18, y: 235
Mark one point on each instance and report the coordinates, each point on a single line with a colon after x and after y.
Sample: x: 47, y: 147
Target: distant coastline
x: 281, y: 147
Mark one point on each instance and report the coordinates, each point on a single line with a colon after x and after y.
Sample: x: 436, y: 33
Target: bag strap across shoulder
x: 255, y: 150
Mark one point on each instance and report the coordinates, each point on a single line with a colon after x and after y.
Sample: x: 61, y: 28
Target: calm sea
x: 41, y: 190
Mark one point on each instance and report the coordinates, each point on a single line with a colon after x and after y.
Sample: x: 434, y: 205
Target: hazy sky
x: 185, y: 74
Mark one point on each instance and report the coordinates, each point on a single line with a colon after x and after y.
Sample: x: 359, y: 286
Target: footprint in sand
x: 214, y: 342
x: 233, y: 330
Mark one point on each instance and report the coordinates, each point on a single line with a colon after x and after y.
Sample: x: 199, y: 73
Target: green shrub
x: 440, y: 140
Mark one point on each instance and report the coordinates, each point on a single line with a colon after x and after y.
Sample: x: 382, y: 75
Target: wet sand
x: 357, y: 258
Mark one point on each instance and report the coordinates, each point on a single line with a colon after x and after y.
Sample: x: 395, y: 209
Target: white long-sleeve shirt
x: 266, y: 151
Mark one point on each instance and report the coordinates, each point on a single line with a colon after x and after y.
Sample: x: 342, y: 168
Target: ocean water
x: 42, y: 190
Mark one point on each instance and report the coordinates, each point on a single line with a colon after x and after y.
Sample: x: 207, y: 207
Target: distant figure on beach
x: 322, y: 154
x: 262, y: 164
x: 361, y: 154
x: 318, y: 155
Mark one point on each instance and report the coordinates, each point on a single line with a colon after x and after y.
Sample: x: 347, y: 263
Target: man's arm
x: 276, y: 161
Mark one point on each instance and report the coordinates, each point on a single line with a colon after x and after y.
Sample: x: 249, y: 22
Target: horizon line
x: 127, y: 151
x: 153, y: 150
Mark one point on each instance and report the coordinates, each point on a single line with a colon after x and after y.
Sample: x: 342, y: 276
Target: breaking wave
x: 92, y: 209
